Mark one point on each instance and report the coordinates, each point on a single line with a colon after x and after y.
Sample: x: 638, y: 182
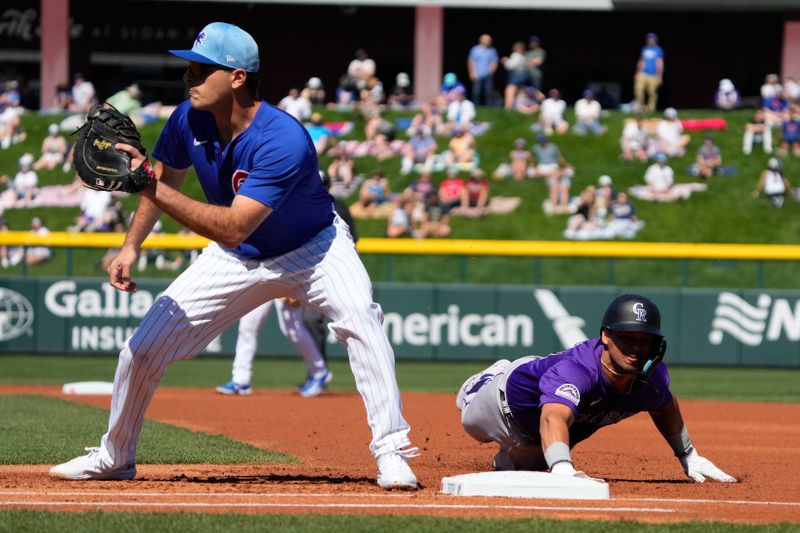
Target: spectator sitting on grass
x: 54, y: 150
x: 775, y: 110
x: 756, y: 131
x: 551, y: 114
x: 773, y: 183
x: 520, y: 158
x: 314, y: 91
x: 558, y: 185
x: 420, y: 189
x: 475, y: 195
x: 401, y: 96
x: 587, y: 115
x: 82, y: 95
x: 634, y: 140
x: 420, y: 149
x: 584, y: 217
x: 461, y: 154
x: 547, y: 157
x: 791, y: 134
x: 341, y: 168
x: 528, y: 100
x: 319, y: 133
x: 374, y: 198
x: 24, y: 186
x: 709, y: 158
x: 32, y: 255
x: 429, y: 115
x: 660, y: 179
x: 460, y: 112
x: 400, y: 221
x: 451, y: 191
x: 672, y: 140
x: 127, y: 100
x: 436, y: 220
x: 296, y: 105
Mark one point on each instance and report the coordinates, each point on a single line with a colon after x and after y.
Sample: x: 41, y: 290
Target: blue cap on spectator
x: 534, y: 39
x: 588, y: 93
x: 541, y: 137
x: 661, y: 158
x: 450, y: 79
x: 220, y: 43
x: 651, y: 35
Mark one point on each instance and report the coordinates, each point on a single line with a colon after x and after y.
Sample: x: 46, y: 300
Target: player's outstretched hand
x: 699, y: 468
x: 119, y: 271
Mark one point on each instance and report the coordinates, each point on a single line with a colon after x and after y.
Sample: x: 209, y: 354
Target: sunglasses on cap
x: 201, y: 70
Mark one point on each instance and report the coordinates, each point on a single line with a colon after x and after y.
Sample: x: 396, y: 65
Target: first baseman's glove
x: 699, y: 468
x: 98, y: 163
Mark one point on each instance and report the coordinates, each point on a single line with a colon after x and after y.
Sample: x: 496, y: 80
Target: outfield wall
x: 432, y: 321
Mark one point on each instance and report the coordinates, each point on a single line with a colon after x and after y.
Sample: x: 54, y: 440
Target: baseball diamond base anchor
x: 517, y: 484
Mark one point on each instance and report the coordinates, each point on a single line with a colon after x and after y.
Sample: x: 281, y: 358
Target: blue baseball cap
x: 651, y: 35
x: 661, y: 157
x: 220, y: 43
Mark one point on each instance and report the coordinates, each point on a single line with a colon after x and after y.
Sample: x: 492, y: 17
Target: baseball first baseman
x: 275, y: 235
x: 538, y: 408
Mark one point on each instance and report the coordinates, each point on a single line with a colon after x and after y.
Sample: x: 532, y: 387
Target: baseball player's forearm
x: 147, y: 213
x: 554, y: 425
x: 228, y: 226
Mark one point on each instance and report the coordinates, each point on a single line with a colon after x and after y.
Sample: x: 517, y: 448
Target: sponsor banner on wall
x: 432, y: 321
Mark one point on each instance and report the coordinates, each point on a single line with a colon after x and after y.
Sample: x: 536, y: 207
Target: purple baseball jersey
x: 575, y: 378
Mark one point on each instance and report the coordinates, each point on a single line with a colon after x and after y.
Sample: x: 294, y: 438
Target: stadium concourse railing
x: 462, y: 248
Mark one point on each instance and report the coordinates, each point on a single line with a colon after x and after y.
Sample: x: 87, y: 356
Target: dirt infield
x: 756, y: 442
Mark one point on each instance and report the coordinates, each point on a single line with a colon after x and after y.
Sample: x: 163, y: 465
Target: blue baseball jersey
x: 650, y: 55
x: 273, y: 161
x: 575, y: 378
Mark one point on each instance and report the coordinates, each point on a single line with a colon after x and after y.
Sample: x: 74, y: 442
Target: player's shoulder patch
x: 569, y: 392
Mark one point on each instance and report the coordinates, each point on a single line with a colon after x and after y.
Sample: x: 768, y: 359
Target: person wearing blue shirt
x: 649, y: 73
x: 275, y: 235
x: 482, y: 64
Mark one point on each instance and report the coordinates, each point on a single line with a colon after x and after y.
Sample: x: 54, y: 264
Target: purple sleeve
x: 171, y: 147
x: 565, y: 383
x: 660, y: 378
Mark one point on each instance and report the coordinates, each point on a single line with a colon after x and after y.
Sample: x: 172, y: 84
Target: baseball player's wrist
x: 680, y: 443
x: 556, y: 455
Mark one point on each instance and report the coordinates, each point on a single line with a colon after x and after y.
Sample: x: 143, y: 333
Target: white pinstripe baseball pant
x: 220, y: 287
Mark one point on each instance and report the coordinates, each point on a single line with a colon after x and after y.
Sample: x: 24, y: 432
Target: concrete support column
x: 790, y: 66
x: 54, y: 66
x: 428, y: 51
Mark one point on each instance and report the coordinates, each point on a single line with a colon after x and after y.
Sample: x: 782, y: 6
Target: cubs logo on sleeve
x: 238, y: 178
x: 570, y: 392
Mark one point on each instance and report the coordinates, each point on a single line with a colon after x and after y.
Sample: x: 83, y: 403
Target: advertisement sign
x: 432, y: 321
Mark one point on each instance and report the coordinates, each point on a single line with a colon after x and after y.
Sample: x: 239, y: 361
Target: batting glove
x: 699, y: 468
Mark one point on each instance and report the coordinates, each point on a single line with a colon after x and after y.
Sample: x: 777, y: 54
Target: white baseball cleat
x: 90, y: 466
x: 394, y: 472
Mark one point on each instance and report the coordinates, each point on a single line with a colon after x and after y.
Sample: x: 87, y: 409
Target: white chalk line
x: 336, y: 506
x: 727, y: 502
x: 406, y: 495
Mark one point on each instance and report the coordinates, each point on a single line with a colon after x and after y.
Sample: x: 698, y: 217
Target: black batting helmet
x: 633, y: 312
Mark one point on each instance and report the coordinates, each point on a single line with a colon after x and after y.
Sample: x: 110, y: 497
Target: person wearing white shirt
x: 82, y: 94
x: 460, y: 112
x: 587, y: 115
x: 551, y: 114
x: 361, y: 69
x: 296, y: 105
x: 660, y: 178
x: 670, y: 134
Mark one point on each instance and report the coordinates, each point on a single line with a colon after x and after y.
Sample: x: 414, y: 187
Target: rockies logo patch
x: 569, y: 392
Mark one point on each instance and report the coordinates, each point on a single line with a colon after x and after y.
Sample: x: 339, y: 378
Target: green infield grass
x: 712, y: 383
x: 80, y: 522
x: 66, y: 423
